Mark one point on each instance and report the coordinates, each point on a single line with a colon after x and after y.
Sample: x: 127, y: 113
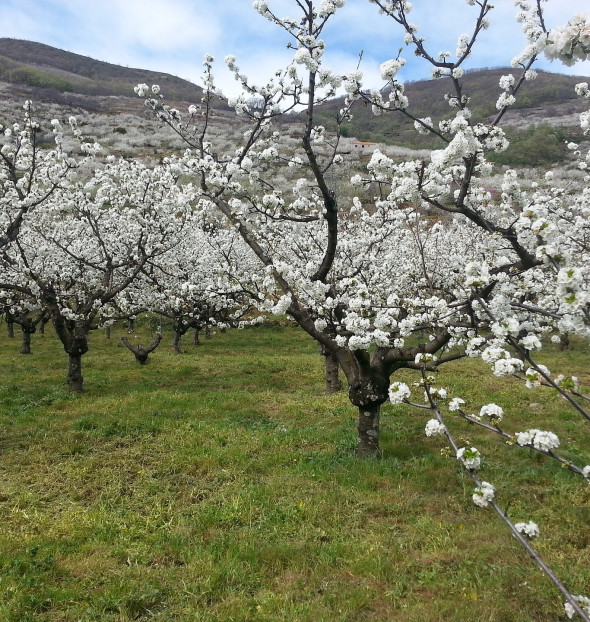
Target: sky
x: 172, y: 36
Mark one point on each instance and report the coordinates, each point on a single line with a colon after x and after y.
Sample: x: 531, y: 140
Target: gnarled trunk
x: 74, y: 337
x: 368, y: 388
x: 564, y: 342
x: 25, y: 347
x: 176, y: 342
x: 333, y: 383
x: 78, y: 346
x: 75, y: 378
x: 368, y: 429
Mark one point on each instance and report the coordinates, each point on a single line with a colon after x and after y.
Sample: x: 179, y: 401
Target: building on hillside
x: 364, y: 146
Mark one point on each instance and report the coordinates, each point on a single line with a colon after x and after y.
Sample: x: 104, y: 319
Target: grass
x: 221, y: 485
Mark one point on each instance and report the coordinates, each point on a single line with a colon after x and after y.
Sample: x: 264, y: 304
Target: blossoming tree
x: 425, y: 266
x: 77, y: 257
x: 340, y: 273
x: 209, y: 278
x: 29, y: 175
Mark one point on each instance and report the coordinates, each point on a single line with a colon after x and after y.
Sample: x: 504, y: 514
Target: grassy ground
x: 221, y: 485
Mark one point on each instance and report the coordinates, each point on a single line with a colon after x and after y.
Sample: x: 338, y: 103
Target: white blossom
x: 398, y: 392
x: 470, y: 457
x: 483, y: 494
x: 434, y: 428
x: 530, y: 529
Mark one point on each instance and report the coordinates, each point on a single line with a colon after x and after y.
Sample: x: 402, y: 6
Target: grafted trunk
x: 333, y: 383
x: 75, y: 378
x: 564, y: 341
x: 368, y: 388
x: 368, y: 429
x: 25, y: 347
x: 176, y: 342
x: 74, y: 337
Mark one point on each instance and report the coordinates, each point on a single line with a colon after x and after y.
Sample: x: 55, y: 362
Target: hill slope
x: 40, y: 65
x: 545, y: 116
x: 550, y: 98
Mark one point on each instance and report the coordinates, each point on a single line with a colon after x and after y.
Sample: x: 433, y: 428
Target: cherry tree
x: 341, y: 274
x: 29, y: 174
x: 429, y: 268
x: 77, y: 257
x: 209, y: 278
x: 26, y: 312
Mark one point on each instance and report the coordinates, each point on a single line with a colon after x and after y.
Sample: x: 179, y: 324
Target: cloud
x: 173, y: 35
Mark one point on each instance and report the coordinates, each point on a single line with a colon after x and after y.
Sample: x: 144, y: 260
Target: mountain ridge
x: 544, y: 118
x: 40, y: 65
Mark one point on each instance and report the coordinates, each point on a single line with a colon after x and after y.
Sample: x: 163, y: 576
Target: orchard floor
x: 222, y: 485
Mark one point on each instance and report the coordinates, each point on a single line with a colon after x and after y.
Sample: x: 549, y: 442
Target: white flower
x: 282, y: 305
x: 390, y: 68
x: 142, y: 89
x: 505, y: 367
x: 530, y: 529
x: 261, y: 6
x: 534, y: 378
x: 434, y: 428
x: 531, y: 342
x: 505, y: 100
x: 539, y: 439
x: 398, y: 392
x: 456, y: 403
x: 586, y: 471
x: 506, y: 81
x: 471, y: 457
x: 584, y: 603
x: 493, y: 411
x: 320, y: 324
x: 483, y: 494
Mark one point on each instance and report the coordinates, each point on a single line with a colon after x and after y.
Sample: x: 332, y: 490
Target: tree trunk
x: 207, y: 331
x: 564, y: 341
x: 25, y: 347
x: 368, y: 388
x: 108, y: 332
x: 333, y: 383
x: 196, y: 341
x: 368, y: 428
x: 10, y: 328
x: 130, y: 325
x: 176, y: 344
x: 75, y: 378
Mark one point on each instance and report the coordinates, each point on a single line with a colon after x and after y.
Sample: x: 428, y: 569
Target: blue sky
x: 173, y: 35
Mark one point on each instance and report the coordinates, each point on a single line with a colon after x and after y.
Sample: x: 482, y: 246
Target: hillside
x: 544, y: 118
x: 550, y: 98
x: 42, y: 66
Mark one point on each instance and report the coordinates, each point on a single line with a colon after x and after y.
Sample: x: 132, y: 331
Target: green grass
x: 221, y: 485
